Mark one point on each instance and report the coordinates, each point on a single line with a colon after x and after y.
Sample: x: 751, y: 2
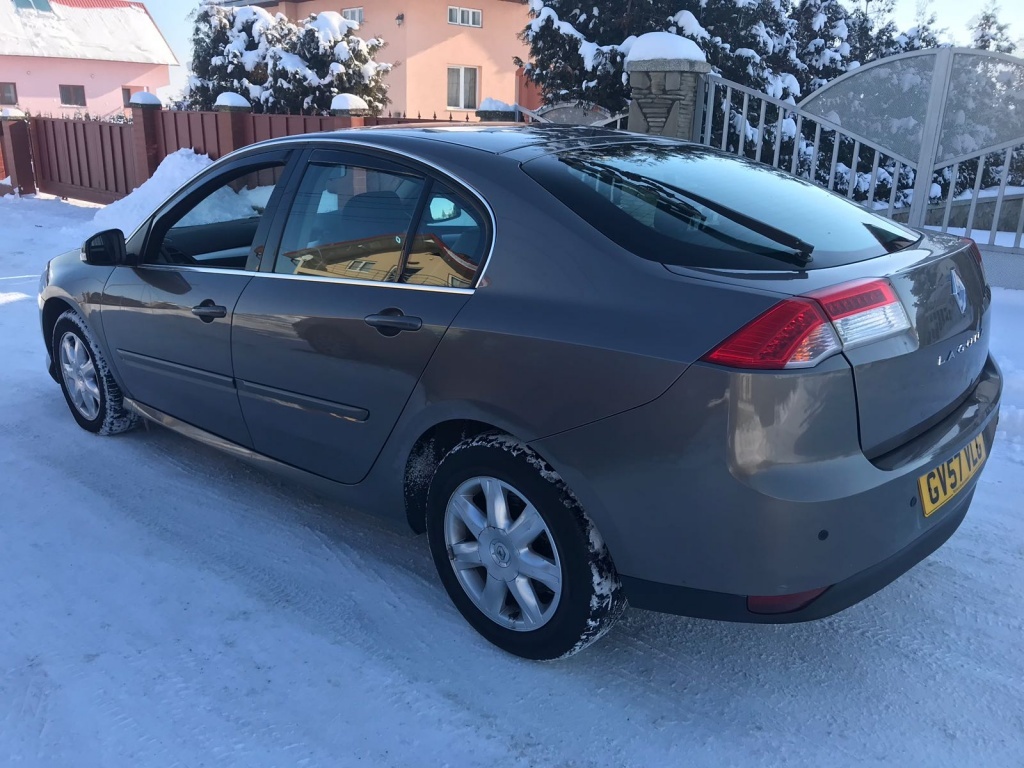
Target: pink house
x: 450, y: 57
x: 77, y: 57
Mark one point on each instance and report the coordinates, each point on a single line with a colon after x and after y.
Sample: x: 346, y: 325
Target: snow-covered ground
x: 163, y: 605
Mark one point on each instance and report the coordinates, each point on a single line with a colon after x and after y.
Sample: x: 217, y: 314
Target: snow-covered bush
x: 283, y: 67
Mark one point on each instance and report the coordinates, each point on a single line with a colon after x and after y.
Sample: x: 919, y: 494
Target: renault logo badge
x: 959, y: 291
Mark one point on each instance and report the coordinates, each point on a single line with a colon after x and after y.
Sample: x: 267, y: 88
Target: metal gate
x: 933, y: 138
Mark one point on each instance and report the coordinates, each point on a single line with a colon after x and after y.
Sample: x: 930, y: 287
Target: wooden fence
x: 103, y: 162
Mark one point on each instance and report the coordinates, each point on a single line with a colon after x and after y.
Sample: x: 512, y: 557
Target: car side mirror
x: 106, y: 249
x: 442, y: 209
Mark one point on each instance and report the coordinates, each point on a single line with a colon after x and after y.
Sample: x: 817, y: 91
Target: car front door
x: 168, y: 319
x: 329, y: 340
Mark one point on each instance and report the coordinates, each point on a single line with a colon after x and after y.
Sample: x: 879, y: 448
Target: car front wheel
x: 92, y: 394
x: 516, y: 552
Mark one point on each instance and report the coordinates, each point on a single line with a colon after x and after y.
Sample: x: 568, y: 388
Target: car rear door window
x: 450, y: 242
x: 349, y: 222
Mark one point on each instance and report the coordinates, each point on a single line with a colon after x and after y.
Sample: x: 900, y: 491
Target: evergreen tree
x: 282, y: 68
x: 822, y: 32
x: 988, y: 33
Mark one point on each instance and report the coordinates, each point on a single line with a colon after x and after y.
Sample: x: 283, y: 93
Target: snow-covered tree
x: 577, y: 52
x: 283, y: 68
x: 822, y: 31
x: 988, y: 33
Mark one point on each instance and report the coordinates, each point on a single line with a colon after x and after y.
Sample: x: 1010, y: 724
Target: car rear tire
x: 516, y: 552
x: 89, y: 388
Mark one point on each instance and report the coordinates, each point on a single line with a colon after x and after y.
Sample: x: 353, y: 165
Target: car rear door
x: 330, y: 339
x: 168, y: 319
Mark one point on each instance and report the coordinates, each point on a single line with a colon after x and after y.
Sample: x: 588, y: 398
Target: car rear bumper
x: 703, y: 604
x: 734, y: 485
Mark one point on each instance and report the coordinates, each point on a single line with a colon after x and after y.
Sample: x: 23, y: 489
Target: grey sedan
x: 592, y: 366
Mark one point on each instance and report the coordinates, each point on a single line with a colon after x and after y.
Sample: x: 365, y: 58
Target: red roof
x: 99, y: 4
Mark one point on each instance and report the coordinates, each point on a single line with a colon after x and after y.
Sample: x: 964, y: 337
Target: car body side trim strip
x: 248, y: 455
x: 176, y: 370
x: 301, y: 402
x: 308, y: 278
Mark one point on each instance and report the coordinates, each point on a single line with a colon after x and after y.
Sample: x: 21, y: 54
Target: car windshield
x: 692, y: 206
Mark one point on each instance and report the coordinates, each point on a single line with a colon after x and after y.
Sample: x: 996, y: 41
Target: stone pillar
x: 146, y: 134
x: 17, y: 149
x: 666, y: 96
x: 352, y: 109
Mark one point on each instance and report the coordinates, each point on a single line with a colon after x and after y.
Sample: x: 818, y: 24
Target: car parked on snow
x: 593, y: 366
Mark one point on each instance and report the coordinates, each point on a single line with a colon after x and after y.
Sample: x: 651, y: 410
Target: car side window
x: 450, y: 242
x: 218, y: 230
x: 349, y: 222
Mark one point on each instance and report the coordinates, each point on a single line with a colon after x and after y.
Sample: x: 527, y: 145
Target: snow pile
x: 664, y: 45
x: 348, y: 101
x: 494, y: 105
x: 233, y: 100
x: 130, y: 212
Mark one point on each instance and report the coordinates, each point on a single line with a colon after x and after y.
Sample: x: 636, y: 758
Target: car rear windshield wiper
x: 802, y: 250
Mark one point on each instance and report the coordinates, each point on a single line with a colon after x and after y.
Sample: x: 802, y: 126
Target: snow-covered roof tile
x: 94, y: 30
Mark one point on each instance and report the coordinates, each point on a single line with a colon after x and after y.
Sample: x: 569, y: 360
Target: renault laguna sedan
x: 592, y: 366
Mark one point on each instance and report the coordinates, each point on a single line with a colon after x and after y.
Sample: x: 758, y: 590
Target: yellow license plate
x: 949, y: 478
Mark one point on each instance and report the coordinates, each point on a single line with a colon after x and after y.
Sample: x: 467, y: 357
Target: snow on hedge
x: 281, y: 66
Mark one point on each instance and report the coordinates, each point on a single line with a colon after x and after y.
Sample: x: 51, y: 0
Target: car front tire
x: 89, y: 388
x: 516, y: 552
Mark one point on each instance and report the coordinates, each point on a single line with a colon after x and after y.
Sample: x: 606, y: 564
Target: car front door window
x: 218, y: 229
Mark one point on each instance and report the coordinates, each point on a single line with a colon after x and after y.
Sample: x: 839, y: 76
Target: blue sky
x: 954, y: 15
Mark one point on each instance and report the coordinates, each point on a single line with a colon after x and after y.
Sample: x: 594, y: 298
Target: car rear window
x: 692, y: 206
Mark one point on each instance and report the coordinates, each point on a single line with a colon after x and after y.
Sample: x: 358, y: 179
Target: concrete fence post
x: 17, y: 150
x: 234, y: 128
x: 351, y: 108
x: 667, y: 94
x: 146, y: 133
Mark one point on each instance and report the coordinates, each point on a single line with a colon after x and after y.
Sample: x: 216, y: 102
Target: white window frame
x: 465, y: 17
x: 356, y: 14
x: 462, y: 87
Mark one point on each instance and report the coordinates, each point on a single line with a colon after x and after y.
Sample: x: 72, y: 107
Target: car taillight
x: 801, y: 332
x: 863, y: 311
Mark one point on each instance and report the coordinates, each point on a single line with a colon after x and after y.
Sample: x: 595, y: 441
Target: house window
x: 8, y: 94
x: 353, y: 14
x: 126, y: 96
x: 465, y: 17
x: 72, y: 95
x: 462, y: 85
x: 34, y: 5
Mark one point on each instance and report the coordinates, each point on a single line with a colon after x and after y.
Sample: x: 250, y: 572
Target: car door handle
x: 392, y: 321
x: 208, y: 311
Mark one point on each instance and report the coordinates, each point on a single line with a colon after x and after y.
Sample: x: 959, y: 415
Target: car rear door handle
x: 208, y: 311
x: 392, y: 321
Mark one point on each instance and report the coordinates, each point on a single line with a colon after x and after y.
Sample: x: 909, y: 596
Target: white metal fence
x: 956, y: 113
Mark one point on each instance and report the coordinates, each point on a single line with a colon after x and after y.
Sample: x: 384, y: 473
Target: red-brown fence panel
x: 83, y: 159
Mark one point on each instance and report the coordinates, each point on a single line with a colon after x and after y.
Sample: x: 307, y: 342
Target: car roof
x: 496, y: 139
